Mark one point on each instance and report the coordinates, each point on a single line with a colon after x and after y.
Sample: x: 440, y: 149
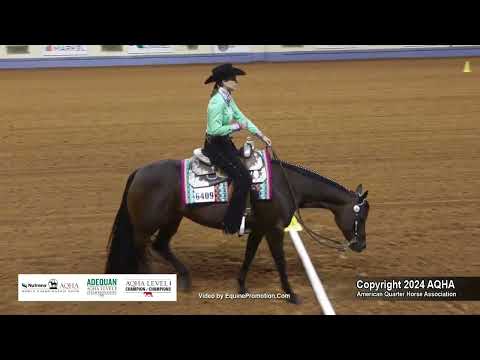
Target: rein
x: 320, y: 239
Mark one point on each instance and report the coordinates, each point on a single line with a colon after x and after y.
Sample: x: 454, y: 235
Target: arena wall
x: 41, y: 56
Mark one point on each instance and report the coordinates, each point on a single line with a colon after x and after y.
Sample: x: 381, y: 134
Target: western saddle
x: 207, y: 174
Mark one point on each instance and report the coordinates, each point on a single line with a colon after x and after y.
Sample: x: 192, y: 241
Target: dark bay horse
x: 152, y: 203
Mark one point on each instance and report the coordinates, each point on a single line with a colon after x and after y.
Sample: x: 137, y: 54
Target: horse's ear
x: 359, y: 189
x: 364, y: 196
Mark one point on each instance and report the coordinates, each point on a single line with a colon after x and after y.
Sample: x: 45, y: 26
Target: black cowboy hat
x: 223, y: 72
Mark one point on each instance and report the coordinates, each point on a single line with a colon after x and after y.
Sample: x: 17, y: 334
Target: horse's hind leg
x: 252, y: 245
x: 141, y: 241
x: 161, y: 244
x: 275, y: 243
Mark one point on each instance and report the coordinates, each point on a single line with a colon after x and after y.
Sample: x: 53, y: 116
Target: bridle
x: 320, y: 239
x: 356, y: 209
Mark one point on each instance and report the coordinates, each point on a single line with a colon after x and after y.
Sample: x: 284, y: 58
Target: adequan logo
x: 102, y: 286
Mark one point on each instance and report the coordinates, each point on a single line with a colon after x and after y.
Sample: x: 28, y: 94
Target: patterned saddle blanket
x: 202, y: 182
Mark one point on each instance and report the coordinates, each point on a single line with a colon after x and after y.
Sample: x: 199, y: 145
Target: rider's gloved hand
x: 267, y: 141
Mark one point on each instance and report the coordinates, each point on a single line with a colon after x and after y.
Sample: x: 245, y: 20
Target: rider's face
x: 231, y: 84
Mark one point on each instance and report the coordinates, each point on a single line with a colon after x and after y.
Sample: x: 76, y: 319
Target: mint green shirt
x: 220, y: 114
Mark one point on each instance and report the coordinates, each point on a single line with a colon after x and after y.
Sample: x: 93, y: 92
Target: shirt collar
x: 225, y: 94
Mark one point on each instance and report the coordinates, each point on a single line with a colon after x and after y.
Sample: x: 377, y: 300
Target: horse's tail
x: 121, y: 248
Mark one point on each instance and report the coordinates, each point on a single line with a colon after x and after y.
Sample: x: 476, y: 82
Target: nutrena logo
x: 100, y: 282
x: 34, y: 285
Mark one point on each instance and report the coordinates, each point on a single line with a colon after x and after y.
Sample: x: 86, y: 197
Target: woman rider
x: 225, y: 118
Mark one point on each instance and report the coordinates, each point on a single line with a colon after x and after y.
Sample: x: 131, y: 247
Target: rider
x: 225, y: 118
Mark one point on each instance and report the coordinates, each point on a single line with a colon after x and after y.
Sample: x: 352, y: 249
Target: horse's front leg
x: 275, y: 243
x: 252, y: 245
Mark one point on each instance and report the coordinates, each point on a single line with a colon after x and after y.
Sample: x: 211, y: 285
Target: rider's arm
x: 238, y: 116
x: 215, y: 124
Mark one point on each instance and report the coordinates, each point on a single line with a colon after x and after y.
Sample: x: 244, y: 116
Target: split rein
x: 320, y: 239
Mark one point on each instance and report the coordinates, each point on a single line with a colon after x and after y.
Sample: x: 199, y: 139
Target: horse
x: 151, y: 211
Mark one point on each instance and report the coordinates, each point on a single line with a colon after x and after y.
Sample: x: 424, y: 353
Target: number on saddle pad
x: 206, y: 194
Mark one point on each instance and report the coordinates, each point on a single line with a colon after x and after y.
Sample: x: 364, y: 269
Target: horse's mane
x: 312, y: 174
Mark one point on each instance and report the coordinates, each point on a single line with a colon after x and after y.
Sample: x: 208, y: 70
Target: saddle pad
x: 196, y: 190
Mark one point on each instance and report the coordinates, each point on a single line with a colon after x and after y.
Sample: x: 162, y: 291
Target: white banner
x: 227, y: 49
x: 65, y: 50
x: 149, y: 49
x: 97, y: 287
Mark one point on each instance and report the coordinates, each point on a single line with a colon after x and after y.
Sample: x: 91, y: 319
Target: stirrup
x: 243, y: 229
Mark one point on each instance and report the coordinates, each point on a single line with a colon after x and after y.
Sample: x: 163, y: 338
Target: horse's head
x: 352, y: 218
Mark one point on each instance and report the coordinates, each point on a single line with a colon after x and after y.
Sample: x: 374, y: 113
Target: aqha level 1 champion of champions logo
x: 148, y: 287
x: 102, y: 287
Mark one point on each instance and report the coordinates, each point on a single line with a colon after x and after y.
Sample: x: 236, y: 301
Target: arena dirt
x: 408, y: 130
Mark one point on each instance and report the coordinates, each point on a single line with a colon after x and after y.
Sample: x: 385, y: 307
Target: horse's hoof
x: 243, y: 290
x: 185, y: 284
x: 241, y: 286
x: 294, y: 299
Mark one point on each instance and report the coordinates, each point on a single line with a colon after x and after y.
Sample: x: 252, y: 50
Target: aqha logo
x: 53, y: 284
x: 441, y: 284
x: 148, y: 294
x: 72, y: 286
